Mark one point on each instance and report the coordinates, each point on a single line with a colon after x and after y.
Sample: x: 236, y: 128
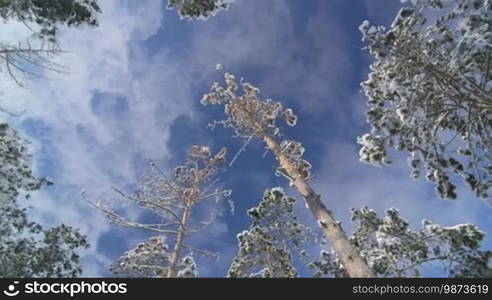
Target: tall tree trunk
x: 175, y: 256
x: 355, y: 265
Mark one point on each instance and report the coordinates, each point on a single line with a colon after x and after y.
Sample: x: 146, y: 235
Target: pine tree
x: 265, y: 249
x: 48, y: 15
x: 171, y: 199
x: 198, y: 9
x: 393, y: 249
x: 26, y: 248
x: 28, y: 59
x: 430, y: 92
x: 253, y: 118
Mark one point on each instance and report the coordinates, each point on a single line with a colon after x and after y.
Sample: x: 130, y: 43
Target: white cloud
x: 260, y: 37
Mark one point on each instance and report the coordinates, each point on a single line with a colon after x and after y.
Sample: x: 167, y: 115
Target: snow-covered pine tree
x: 46, y: 16
x: 198, y: 9
x: 26, y: 248
x: 253, y: 118
x: 394, y: 249
x: 277, y: 238
x: 430, y: 92
x: 265, y: 249
x: 171, y: 198
x: 28, y: 59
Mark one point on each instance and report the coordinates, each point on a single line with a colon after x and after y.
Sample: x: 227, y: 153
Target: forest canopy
x: 245, y: 139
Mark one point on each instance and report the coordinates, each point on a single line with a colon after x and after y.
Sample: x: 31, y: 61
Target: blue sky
x: 132, y: 94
